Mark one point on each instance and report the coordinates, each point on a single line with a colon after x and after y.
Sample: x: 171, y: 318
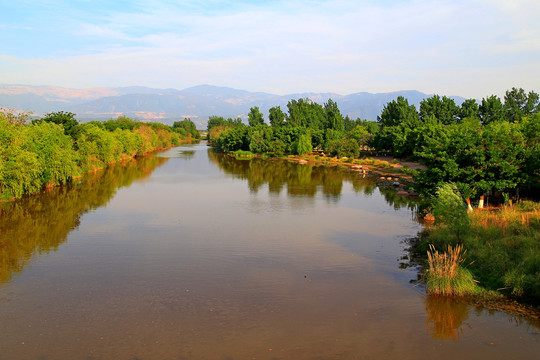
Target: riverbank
x: 384, y: 168
x: 42, y: 155
x: 386, y: 171
x: 502, y: 249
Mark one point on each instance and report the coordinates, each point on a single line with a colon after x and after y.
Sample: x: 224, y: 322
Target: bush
x: 343, y: 148
x: 450, y: 210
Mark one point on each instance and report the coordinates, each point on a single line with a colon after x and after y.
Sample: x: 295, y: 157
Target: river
x: 189, y: 254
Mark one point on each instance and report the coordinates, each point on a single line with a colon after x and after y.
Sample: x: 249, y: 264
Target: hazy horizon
x: 471, y: 49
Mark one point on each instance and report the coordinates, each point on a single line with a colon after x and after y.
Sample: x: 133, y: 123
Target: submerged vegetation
x: 56, y: 149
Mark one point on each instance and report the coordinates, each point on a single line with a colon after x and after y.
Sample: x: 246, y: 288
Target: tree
x: 334, y: 119
x: 255, y: 117
x: 14, y: 117
x: 455, y: 155
x: 398, y: 123
x: 65, y: 119
x: 469, y: 109
x: 444, y: 109
x: 219, y: 121
x: 397, y: 111
x: 260, y: 139
x: 276, y: 116
x: 188, y: 126
x: 343, y: 148
x: 360, y: 134
x: 518, y: 104
x: 303, y: 145
x: 348, y: 123
x: 122, y: 122
x: 530, y: 127
x: 306, y: 113
x: 234, y: 139
x: 491, y: 110
x: 505, y: 154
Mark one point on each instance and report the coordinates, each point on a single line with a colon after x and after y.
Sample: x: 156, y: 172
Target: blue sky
x: 470, y: 48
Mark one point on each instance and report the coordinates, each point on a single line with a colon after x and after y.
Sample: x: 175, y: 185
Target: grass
x: 446, y: 276
x: 243, y: 153
x: 503, y: 249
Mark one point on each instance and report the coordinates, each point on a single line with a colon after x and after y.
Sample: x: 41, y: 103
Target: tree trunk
x: 481, y: 202
x: 469, y: 207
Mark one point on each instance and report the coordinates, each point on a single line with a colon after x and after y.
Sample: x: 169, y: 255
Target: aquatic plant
x: 446, y: 275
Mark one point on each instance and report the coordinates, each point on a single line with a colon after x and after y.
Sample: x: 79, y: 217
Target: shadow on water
x: 186, y: 154
x: 38, y: 224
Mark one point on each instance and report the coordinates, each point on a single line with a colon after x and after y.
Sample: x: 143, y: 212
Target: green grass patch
x: 503, y: 249
x: 243, y: 153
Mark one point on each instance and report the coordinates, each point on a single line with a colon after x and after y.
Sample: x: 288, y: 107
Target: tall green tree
x: 396, y: 112
x: 469, y: 109
x: 65, y: 119
x: 255, y: 117
x: 517, y: 104
x: 276, y: 116
x: 306, y: 113
x: 505, y: 154
x: 491, y: 109
x: 398, y: 121
x: 334, y: 119
x: 444, y: 109
x: 455, y: 155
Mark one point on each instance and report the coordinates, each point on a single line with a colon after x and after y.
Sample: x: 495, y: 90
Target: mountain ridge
x: 196, y: 102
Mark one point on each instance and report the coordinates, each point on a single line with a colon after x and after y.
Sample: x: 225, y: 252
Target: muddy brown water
x: 189, y: 254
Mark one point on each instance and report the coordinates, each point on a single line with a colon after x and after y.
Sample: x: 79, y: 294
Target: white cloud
x: 454, y: 48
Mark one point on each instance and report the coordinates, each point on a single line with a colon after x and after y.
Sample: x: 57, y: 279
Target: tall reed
x: 445, y: 275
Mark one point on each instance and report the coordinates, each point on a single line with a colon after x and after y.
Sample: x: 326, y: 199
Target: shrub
x: 450, y: 210
x: 343, y: 148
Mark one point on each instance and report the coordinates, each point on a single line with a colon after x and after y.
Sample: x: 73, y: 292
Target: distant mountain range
x: 197, y: 103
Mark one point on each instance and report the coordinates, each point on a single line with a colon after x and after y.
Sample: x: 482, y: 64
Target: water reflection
x: 445, y: 317
x: 304, y: 180
x: 38, y: 224
x: 186, y: 154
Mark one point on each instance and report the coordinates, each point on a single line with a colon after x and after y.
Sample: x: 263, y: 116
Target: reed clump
x: 446, y: 276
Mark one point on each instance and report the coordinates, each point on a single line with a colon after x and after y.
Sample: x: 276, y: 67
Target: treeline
x: 305, y: 127
x: 56, y: 148
x: 482, y: 147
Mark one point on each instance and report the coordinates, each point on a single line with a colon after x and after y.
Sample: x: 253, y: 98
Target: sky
x: 472, y: 48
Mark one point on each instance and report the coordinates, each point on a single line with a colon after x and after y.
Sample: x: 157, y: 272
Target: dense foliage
x: 306, y: 126
x: 55, y: 149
